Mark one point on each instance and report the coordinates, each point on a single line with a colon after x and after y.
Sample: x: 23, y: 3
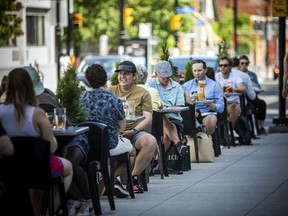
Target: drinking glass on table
x: 51, y: 118
x: 60, y: 118
x: 200, y: 94
x: 125, y: 104
x: 130, y: 114
x: 228, y: 87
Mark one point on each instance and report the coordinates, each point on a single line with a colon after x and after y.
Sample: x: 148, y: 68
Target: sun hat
x: 127, y: 66
x: 163, y: 68
x: 37, y: 83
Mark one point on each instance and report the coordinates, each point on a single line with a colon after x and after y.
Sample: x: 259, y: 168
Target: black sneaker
x: 262, y: 131
x: 119, y: 190
x: 182, y: 149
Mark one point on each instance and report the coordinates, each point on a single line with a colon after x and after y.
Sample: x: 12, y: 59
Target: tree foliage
x: 188, y: 71
x: 9, y: 21
x: 103, y: 17
x: 224, y: 28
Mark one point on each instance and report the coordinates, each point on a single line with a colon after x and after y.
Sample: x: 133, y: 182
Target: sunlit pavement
x: 244, y: 180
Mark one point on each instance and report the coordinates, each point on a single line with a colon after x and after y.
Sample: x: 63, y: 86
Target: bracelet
x: 135, y: 130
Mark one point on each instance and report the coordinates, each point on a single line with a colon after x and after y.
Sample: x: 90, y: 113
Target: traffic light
x: 176, y: 22
x: 128, y: 18
x: 78, y: 20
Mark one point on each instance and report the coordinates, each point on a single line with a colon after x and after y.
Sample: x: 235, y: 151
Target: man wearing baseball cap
x: 171, y: 95
x: 144, y: 142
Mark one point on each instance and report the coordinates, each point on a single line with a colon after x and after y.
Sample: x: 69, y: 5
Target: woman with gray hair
x: 141, y: 79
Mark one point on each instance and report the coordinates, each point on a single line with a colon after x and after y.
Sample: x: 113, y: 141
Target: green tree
x: 102, y: 17
x: 222, y: 49
x: 188, y: 72
x: 10, y: 23
x: 68, y: 92
x: 224, y: 28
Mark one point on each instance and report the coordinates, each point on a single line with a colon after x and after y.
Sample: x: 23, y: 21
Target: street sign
x: 185, y: 10
x: 279, y: 8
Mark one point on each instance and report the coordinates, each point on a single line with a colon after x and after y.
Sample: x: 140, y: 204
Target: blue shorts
x: 80, y: 141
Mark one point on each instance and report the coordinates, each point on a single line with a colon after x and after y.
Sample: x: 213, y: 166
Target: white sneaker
x: 73, y: 206
x: 86, y: 208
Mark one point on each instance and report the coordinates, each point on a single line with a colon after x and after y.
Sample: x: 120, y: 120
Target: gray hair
x: 141, y: 74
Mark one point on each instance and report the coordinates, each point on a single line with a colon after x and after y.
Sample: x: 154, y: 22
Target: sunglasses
x: 223, y: 65
x: 244, y: 63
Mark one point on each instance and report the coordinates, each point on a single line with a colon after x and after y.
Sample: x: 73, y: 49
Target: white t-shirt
x: 234, y: 80
x: 247, y: 82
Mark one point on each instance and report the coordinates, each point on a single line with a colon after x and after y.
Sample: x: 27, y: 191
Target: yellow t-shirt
x: 156, y: 102
x: 141, y: 97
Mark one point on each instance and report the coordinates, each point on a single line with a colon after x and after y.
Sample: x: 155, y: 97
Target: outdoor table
x: 70, y: 131
x: 173, y: 109
x: 232, y: 94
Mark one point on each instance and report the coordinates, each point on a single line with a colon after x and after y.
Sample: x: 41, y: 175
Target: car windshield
x: 181, y: 62
x: 108, y: 64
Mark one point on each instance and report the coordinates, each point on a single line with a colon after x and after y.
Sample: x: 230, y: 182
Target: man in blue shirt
x: 212, y: 90
x: 171, y: 95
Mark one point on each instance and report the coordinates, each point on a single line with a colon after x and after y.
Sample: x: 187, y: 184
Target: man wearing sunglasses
x: 260, y: 105
x: 224, y: 77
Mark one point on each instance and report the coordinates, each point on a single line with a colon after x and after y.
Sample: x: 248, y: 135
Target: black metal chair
x: 189, y: 122
x: 224, y: 128
x: 157, y: 132
x: 32, y: 156
x: 99, y: 154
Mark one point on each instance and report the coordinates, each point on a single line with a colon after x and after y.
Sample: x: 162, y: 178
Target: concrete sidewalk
x: 244, y: 180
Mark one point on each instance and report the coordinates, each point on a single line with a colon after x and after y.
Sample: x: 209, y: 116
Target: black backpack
x: 243, y: 130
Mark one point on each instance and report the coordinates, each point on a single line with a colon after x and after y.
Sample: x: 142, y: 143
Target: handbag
x: 205, y: 148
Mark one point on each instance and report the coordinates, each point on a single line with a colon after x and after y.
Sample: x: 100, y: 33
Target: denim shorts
x: 80, y: 141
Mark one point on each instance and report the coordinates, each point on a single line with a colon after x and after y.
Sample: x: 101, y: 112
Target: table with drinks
x: 57, y: 121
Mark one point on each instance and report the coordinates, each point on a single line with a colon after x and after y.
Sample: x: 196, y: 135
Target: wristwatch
x: 135, y: 130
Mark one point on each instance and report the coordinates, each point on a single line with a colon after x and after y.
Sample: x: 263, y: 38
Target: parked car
x: 108, y: 62
x: 181, y: 61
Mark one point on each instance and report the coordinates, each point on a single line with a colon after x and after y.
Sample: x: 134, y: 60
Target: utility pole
x: 176, y: 32
x: 266, y: 37
x: 122, y: 29
x: 58, y: 36
x: 235, y: 27
x: 69, y: 29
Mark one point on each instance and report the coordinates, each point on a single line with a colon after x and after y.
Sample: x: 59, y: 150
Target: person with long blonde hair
x: 22, y: 117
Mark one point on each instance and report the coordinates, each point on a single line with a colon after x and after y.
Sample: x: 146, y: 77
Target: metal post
x: 176, y: 32
x: 122, y: 29
x: 266, y: 38
x: 235, y: 27
x: 58, y: 36
x: 282, y: 34
x: 68, y: 42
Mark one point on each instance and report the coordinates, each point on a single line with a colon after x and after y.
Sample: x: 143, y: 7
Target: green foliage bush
x: 68, y: 92
x: 188, y: 71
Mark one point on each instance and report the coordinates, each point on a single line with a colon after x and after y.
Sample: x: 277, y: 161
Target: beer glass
x: 60, y: 118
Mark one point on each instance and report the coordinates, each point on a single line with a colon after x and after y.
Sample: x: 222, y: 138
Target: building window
x: 35, y: 30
